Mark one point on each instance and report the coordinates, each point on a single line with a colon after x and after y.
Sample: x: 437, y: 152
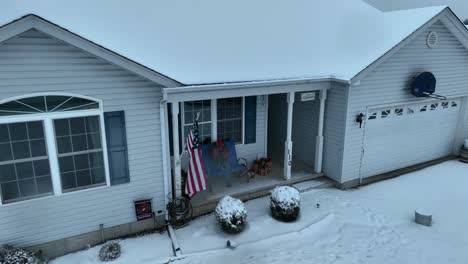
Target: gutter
x: 248, y: 85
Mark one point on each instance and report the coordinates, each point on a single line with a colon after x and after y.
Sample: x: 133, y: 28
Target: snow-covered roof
x: 213, y: 41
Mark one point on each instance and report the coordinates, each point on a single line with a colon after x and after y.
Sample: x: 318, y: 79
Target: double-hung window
x: 226, y: 113
x: 230, y: 118
x: 50, y: 144
x: 202, y: 109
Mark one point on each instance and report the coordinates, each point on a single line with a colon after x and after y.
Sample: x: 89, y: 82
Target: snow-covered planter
x: 231, y: 214
x: 13, y: 255
x: 110, y: 251
x: 285, y: 203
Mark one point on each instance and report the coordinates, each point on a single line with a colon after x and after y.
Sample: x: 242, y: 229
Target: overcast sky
x: 460, y: 7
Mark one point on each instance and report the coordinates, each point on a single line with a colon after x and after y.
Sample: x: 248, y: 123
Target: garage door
x: 405, y: 135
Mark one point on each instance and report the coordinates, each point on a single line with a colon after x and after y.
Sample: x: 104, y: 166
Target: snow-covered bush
x: 231, y: 214
x: 13, y: 255
x: 285, y: 203
x: 110, y: 251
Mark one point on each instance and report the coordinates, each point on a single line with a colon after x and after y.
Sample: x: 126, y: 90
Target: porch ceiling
x: 214, y: 91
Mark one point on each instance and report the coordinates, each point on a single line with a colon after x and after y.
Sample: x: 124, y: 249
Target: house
x: 93, y: 107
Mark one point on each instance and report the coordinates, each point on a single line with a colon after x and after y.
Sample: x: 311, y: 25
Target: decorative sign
x: 307, y: 96
x: 143, y: 209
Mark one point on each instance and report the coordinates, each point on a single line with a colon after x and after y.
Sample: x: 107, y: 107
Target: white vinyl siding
x: 389, y: 84
x: 34, y: 62
x: 334, y: 130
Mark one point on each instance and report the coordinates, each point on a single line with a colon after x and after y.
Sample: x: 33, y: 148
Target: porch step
x: 319, y: 183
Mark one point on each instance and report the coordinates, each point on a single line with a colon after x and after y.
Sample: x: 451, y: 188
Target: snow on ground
x: 372, y: 224
x: 148, y: 249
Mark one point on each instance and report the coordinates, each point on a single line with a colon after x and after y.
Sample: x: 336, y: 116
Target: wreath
x: 219, y: 153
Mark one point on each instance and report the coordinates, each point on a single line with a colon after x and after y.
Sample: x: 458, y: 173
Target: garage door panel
x: 405, y: 135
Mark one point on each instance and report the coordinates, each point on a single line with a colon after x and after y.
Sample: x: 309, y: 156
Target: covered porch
x: 287, y: 113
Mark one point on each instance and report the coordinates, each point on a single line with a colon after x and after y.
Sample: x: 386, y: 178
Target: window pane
x: 15, y: 106
x: 4, y: 136
x: 21, y: 150
x: 10, y: 191
x: 27, y: 187
x: 77, y: 125
x: 62, y: 128
x: 83, y: 178
x: 68, y: 180
x: 18, y: 131
x: 54, y: 101
x: 5, y: 152
x: 7, y: 173
x: 35, y: 130
x: 96, y: 160
x: 24, y: 170
x: 37, y: 102
x: 92, y: 124
x: 66, y: 164
x: 64, y: 145
x: 81, y: 162
x: 94, y: 141
x: 79, y: 143
x: 41, y: 167
x: 98, y: 175
x: 38, y: 148
x: 44, y: 184
x: 76, y: 103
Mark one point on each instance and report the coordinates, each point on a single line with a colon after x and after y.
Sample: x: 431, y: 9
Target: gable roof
x: 212, y: 41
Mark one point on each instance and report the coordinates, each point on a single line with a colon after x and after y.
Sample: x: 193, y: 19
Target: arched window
x: 50, y: 144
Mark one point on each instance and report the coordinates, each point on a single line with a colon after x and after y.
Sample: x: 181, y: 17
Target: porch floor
x: 258, y: 186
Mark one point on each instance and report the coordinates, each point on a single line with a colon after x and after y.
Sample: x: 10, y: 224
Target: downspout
x: 164, y: 149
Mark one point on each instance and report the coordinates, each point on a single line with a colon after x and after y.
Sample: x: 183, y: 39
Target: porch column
x: 319, y: 139
x: 288, y: 144
x: 177, y: 176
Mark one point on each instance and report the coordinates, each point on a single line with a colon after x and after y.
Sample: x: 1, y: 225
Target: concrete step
x: 319, y: 183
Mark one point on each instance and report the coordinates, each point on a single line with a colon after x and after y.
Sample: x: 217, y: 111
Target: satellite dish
x: 424, y: 85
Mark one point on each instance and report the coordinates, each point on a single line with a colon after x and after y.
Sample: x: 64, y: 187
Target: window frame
x: 50, y: 138
x: 242, y: 121
x: 214, y: 120
x: 183, y: 124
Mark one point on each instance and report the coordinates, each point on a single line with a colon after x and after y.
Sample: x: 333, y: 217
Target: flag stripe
x: 196, y: 178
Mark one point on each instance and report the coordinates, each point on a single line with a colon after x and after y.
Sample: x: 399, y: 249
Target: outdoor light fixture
x: 360, y: 119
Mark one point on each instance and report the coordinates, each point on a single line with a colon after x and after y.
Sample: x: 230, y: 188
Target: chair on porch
x: 233, y: 164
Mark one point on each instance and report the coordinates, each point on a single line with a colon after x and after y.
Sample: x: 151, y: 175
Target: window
x: 445, y: 104
x: 373, y: 116
x: 229, y: 122
x: 385, y: 113
x: 24, y: 163
x: 454, y: 104
x: 80, y: 153
x: 434, y: 106
x: 190, y: 112
x: 31, y: 165
x: 399, y: 111
x: 423, y: 109
x: 228, y: 113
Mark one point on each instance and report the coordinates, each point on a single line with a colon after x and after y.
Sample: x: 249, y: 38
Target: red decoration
x: 143, y: 209
x: 262, y: 167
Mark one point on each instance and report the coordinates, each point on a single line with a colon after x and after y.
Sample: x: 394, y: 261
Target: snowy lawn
x: 372, y: 224
x: 149, y: 249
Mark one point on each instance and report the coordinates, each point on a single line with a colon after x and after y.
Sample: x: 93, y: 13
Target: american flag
x: 196, y: 179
